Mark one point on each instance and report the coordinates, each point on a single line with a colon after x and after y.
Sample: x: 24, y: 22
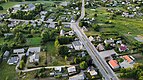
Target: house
x: 64, y: 3
x: 98, y: 38
x: 31, y: 7
x: 67, y: 26
x: 43, y: 12
x: 84, y: 28
x: 100, y: 47
x: 16, y: 8
x: 91, y: 38
x: 2, y: 16
x: 123, y: 48
x: 109, y: 41
x: 77, y: 77
x: 8, y: 34
x: 6, y: 54
x: 72, y: 70
x: 128, y: 59
x: 51, y: 25
x: 113, y: 64
x: 77, y: 45
x: 34, y: 58
x: 13, y: 60
x: 18, y: 51
x: 62, y: 33
x: 93, y: 73
x: 71, y: 33
x: 119, y: 42
x: 58, y: 69
x: 33, y: 50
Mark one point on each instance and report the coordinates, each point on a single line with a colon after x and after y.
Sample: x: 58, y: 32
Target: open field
x: 122, y: 25
x: 34, y: 41
x: 53, y: 55
x: 7, y: 72
x: 7, y: 5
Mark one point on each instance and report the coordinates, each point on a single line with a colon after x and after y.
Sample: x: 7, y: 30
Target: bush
x: 58, y: 76
x: 83, y: 65
x: 1, y: 8
x: 21, y: 65
x: 29, y: 36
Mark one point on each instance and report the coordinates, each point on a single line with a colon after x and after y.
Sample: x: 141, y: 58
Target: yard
x: 55, y: 59
x: 7, y: 72
x: 35, y: 41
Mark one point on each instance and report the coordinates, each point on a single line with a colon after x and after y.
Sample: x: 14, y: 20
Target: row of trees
x: 136, y: 72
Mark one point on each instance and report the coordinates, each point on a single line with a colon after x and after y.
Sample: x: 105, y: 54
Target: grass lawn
x: 52, y: 54
x: 7, y: 5
x: 35, y: 41
x: 7, y: 71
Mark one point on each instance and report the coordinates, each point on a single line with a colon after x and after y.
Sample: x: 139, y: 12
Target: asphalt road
x: 101, y: 64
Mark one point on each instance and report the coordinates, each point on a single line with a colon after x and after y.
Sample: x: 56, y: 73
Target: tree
x: 57, y: 44
x: 21, y: 65
x: 20, y: 37
x: 76, y: 60
x: 63, y: 50
x: 140, y: 78
x: 65, y: 39
x: 59, y: 22
x: 45, y: 36
x: 83, y: 65
x: 96, y: 27
x: 4, y: 48
x: 1, y: 8
x: 66, y: 58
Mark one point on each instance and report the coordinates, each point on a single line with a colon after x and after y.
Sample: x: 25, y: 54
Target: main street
x: 101, y: 64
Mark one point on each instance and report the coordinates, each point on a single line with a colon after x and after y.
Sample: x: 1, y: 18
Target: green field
x: 56, y: 60
x: 7, y: 5
x: 35, y: 41
x: 7, y: 72
x: 122, y: 25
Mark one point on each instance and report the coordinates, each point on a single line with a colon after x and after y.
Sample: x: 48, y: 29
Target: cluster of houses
x: 30, y: 7
x: 110, y: 56
x: 131, y: 12
x: 32, y: 53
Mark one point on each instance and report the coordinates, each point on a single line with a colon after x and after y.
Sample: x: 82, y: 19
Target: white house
x: 72, y: 70
x: 58, y: 69
x: 51, y: 25
x: 77, y: 45
x: 18, y: 50
x: 93, y: 73
x: 62, y: 33
x: 33, y: 50
x: 34, y: 58
x: 109, y: 41
x: 71, y: 33
x: 91, y: 38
